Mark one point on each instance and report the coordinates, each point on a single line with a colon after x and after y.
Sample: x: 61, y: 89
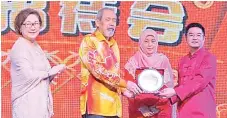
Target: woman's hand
x: 56, y: 70
x: 145, y: 110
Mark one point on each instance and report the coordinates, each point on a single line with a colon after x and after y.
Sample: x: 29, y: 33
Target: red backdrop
x: 65, y: 23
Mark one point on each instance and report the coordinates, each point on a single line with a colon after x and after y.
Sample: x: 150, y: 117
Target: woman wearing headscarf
x: 148, y: 57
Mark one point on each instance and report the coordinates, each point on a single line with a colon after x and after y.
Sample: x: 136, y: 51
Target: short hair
x: 21, y: 17
x: 100, y: 12
x: 194, y: 25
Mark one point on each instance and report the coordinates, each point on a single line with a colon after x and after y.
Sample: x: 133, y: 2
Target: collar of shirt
x: 198, y: 52
x: 100, y: 37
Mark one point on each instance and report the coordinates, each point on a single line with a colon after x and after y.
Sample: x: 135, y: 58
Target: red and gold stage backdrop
x: 65, y: 24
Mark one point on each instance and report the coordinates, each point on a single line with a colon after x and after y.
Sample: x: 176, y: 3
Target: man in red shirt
x: 195, y: 93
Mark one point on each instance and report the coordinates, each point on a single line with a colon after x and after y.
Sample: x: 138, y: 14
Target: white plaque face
x: 150, y: 80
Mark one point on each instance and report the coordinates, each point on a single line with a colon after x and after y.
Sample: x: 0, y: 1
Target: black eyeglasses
x: 29, y: 25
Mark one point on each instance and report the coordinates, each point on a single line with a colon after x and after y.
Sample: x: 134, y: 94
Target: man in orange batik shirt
x: 101, y: 84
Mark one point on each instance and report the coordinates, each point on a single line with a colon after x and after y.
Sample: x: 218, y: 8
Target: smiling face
x: 149, y: 45
x: 195, y: 38
x: 107, y: 24
x: 30, y: 27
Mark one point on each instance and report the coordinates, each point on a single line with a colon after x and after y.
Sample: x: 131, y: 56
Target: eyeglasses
x: 29, y: 25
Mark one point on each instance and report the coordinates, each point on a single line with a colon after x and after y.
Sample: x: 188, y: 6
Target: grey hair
x: 100, y: 12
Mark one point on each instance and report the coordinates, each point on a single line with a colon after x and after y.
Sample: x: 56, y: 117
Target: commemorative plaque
x: 150, y: 80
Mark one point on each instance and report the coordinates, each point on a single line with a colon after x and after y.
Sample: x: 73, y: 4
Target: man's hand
x: 128, y: 94
x: 131, y: 86
x: 167, y: 93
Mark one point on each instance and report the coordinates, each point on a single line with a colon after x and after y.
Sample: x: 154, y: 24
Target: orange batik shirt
x: 100, y: 79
